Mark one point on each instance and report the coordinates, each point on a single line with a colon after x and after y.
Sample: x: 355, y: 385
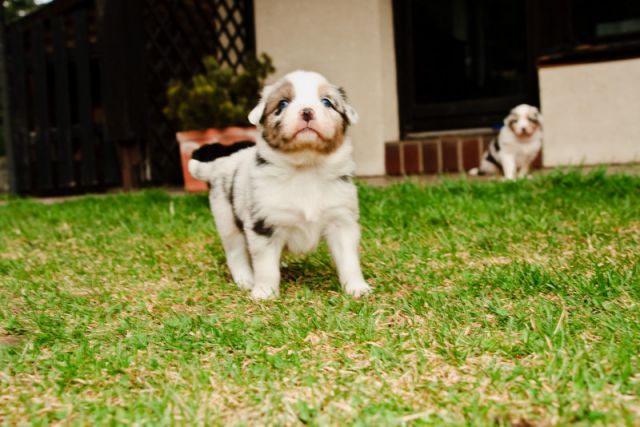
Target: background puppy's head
x: 524, y: 120
x: 303, y: 112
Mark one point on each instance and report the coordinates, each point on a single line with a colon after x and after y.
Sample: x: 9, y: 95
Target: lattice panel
x: 178, y: 34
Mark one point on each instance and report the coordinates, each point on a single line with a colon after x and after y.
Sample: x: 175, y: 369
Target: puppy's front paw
x: 244, y: 281
x: 357, y: 289
x: 261, y: 293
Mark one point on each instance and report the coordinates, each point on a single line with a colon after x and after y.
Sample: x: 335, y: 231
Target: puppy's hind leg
x: 485, y: 168
x: 234, y: 242
x: 238, y: 260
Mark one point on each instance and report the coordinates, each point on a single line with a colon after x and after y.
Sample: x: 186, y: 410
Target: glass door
x: 461, y: 63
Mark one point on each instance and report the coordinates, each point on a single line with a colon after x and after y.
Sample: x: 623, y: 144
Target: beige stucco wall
x: 351, y: 43
x: 592, y: 113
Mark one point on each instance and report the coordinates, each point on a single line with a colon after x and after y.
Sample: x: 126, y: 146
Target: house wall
x: 351, y: 43
x: 592, y: 112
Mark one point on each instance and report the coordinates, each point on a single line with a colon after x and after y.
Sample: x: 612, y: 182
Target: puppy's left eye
x: 326, y: 102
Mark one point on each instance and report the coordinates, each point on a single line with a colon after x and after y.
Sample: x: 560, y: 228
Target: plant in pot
x: 213, y: 107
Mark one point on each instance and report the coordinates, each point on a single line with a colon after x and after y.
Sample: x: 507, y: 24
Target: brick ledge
x: 446, y: 152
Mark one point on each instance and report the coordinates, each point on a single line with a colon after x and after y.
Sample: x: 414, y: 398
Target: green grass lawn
x: 494, y: 304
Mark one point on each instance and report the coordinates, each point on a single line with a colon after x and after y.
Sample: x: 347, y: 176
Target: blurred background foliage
x: 218, y: 97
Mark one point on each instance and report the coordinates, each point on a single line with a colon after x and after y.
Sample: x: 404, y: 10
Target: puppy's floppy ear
x: 255, y: 116
x: 352, y: 115
x: 537, y: 115
x: 349, y: 112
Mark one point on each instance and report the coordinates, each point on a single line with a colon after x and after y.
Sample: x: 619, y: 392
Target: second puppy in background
x: 515, y: 147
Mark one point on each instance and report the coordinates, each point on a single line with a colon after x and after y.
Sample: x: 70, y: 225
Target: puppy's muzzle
x: 523, y: 130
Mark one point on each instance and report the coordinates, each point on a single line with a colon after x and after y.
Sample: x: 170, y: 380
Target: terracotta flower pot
x: 192, y: 140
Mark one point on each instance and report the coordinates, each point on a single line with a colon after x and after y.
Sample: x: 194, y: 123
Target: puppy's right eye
x: 282, y: 105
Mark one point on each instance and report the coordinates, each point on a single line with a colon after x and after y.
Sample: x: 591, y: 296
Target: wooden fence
x: 57, y: 140
x: 87, y: 82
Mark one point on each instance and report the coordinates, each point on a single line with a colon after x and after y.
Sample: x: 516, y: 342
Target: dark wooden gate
x: 87, y: 81
x: 57, y: 139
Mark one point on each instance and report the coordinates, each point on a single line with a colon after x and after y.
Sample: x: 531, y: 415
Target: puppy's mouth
x: 524, y: 132
x: 306, y: 132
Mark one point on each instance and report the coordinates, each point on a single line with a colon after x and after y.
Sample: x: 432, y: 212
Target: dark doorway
x: 462, y: 63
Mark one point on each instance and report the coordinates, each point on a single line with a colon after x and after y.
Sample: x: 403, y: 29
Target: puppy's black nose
x: 307, y: 114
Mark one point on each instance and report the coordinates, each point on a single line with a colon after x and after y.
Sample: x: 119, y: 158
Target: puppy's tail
x: 203, y: 163
x: 201, y: 170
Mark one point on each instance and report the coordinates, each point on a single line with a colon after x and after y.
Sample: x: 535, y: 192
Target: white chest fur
x: 522, y: 152
x: 301, y: 204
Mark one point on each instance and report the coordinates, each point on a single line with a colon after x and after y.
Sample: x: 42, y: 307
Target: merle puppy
x: 290, y: 189
x: 516, y: 147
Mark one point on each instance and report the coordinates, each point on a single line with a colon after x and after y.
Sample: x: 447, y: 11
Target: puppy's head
x: 303, y: 112
x: 524, y: 121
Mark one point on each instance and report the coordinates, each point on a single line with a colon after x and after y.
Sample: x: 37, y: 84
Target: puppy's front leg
x: 265, y: 258
x: 343, y: 240
x: 509, y: 167
x: 524, y: 171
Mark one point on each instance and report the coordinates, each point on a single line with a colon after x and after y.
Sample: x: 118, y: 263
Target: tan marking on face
x: 337, y: 99
x: 534, y: 119
x: 535, y: 125
x: 512, y: 120
x: 271, y: 119
x: 325, y: 90
x: 284, y: 91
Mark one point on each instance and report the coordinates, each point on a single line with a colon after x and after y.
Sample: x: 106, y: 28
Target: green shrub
x: 218, y: 97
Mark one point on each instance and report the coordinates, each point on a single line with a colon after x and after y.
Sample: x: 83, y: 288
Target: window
x: 462, y: 63
x: 604, y: 21
x: 468, y: 49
